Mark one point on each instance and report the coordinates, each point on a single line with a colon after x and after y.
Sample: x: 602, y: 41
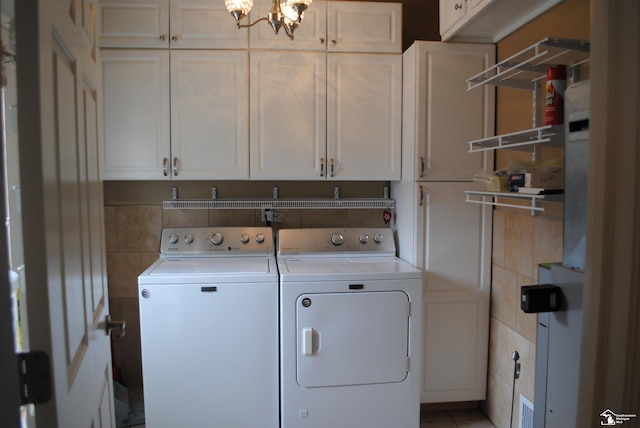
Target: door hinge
x: 34, y: 370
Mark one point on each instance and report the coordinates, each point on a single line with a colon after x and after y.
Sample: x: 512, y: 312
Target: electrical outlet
x: 272, y: 216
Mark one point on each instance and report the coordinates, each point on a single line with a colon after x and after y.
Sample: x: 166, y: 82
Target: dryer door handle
x: 307, y: 341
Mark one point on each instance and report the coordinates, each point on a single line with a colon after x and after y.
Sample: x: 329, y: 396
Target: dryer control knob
x: 188, y: 239
x: 244, y: 238
x: 260, y: 238
x: 173, y: 238
x: 217, y: 238
x: 378, y: 238
x: 364, y: 239
x: 337, y: 239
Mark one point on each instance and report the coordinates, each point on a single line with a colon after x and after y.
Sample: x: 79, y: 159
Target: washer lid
x: 194, y: 269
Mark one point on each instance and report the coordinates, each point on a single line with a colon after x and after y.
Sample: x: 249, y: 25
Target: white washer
x: 209, y: 329
x: 350, y: 322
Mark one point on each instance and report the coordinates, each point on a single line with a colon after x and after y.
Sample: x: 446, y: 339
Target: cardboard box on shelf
x: 547, y: 180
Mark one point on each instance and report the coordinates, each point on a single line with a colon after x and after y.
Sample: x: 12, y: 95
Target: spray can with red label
x: 554, y: 98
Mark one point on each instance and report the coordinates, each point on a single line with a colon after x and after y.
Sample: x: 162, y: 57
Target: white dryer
x: 209, y: 329
x: 350, y: 323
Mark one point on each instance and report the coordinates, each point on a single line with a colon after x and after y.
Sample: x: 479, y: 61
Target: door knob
x: 111, y: 325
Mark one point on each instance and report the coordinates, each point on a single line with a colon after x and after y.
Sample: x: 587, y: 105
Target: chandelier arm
x: 252, y: 24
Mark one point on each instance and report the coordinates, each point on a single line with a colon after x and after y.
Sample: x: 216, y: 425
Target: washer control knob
x: 337, y: 239
x: 173, y: 238
x: 364, y: 239
x: 260, y: 238
x: 188, y: 239
x: 217, y: 238
x: 244, y: 238
x: 378, y: 238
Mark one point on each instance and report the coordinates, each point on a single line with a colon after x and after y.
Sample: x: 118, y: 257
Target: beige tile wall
x: 133, y: 241
x: 521, y: 242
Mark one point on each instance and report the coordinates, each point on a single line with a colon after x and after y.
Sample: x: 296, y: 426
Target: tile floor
x: 466, y: 418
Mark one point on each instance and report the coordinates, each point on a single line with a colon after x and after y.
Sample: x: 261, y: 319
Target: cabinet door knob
x: 332, y: 42
x: 174, y: 38
x: 421, y: 166
x: 165, y: 163
x: 458, y: 6
x: 321, y: 40
x: 321, y: 167
x: 421, y: 200
x: 333, y: 166
x: 175, y: 166
x: 163, y: 37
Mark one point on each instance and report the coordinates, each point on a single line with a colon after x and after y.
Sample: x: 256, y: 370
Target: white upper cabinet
x: 440, y: 113
x: 364, y: 116
x: 135, y: 115
x: 186, y: 24
x: 288, y: 115
x: 335, y: 26
x: 209, y: 110
x: 319, y: 117
x: 487, y: 21
x: 178, y: 114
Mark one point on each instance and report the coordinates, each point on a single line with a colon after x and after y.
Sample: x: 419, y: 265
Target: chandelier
x: 285, y: 14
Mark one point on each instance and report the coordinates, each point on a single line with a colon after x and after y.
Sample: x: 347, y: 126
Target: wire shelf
x: 525, y: 68
x: 212, y: 204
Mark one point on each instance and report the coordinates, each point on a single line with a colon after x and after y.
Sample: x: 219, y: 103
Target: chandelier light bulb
x: 244, y: 6
x: 287, y: 13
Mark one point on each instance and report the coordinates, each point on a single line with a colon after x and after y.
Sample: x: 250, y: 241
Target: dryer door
x: 352, y: 338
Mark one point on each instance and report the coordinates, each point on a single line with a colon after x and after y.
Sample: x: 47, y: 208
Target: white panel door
x: 133, y: 23
x: 135, y: 115
x: 352, y: 338
x: 288, y: 115
x: 364, y: 116
x: 454, y: 345
x: 62, y: 212
x: 441, y: 115
x: 209, y: 110
x: 457, y: 237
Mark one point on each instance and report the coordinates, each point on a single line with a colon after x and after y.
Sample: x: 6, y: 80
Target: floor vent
x: 526, y: 413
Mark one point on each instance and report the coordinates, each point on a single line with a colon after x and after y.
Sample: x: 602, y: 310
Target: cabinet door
x: 448, y: 115
x: 456, y: 238
x: 451, y: 12
x: 355, y: 26
x: 204, y: 24
x: 310, y: 35
x: 364, y: 119
x: 288, y: 115
x: 133, y: 23
x: 455, y: 253
x: 135, y: 114
x: 209, y: 111
x: 455, y: 336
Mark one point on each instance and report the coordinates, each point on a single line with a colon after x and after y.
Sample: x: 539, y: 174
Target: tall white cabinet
x: 437, y: 230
